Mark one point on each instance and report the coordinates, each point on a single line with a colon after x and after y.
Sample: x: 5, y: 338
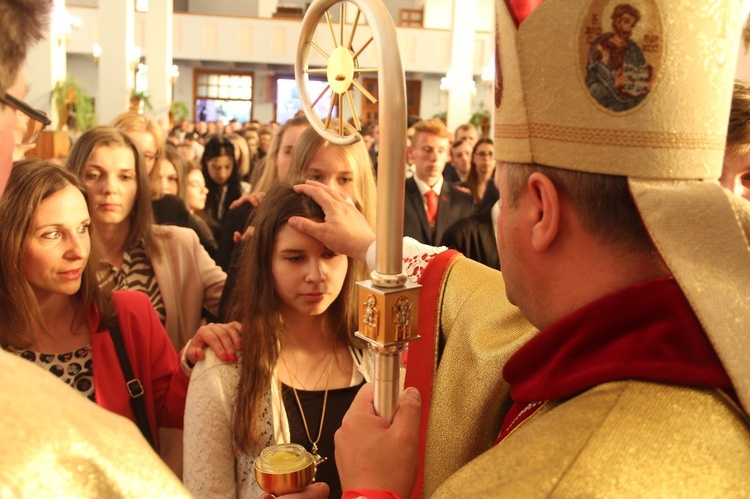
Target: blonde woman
x: 345, y: 168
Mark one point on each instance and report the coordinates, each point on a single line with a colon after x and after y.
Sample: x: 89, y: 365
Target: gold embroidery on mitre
x: 625, y: 138
x: 620, y: 50
x: 512, y: 131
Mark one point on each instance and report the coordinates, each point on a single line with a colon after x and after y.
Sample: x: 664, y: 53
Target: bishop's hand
x: 345, y: 230
x: 374, y: 454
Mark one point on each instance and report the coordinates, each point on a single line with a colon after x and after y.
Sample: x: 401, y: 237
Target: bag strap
x: 134, y: 386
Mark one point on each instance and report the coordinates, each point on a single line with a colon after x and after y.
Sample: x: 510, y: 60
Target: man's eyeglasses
x: 37, y: 121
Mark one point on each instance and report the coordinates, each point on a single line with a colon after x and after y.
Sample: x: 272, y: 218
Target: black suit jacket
x: 474, y: 236
x: 452, y: 205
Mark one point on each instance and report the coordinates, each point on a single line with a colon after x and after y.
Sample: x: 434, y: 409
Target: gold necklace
x: 314, y: 449
x: 293, y: 376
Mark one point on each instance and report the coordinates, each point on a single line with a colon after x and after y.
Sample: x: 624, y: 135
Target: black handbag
x: 134, y: 386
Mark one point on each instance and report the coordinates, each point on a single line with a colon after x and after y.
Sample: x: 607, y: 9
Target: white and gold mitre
x: 640, y: 88
x: 644, y: 93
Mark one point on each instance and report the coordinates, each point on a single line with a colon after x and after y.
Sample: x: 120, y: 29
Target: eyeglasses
x: 485, y: 154
x: 37, y: 121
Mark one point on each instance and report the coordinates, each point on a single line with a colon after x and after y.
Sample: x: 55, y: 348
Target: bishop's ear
x: 544, y: 206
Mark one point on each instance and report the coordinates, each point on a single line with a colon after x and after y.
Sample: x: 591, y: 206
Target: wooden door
x: 413, y: 99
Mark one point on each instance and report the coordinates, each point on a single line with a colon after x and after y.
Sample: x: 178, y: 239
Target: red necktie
x: 431, y: 206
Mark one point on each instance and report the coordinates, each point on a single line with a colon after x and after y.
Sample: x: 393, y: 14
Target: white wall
x: 254, y: 42
x: 433, y: 101
x: 274, y: 41
x: 438, y: 14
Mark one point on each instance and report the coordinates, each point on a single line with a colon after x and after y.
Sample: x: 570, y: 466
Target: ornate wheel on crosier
x: 342, y: 66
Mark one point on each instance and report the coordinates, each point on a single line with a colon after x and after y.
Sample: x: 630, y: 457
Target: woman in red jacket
x: 55, y: 314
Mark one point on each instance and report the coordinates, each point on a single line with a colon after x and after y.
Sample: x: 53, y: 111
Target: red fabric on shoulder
x: 646, y: 332
x: 420, y: 372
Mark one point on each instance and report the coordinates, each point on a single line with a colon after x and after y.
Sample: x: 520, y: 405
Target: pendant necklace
x: 318, y: 459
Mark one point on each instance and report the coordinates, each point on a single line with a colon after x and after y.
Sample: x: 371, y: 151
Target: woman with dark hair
x: 56, y: 315
x: 221, y: 170
x: 482, y: 169
x: 299, y: 368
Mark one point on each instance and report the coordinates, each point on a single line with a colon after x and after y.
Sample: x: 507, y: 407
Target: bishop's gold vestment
x: 56, y: 443
x: 625, y: 438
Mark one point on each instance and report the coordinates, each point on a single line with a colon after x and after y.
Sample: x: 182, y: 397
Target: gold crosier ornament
x: 388, y: 302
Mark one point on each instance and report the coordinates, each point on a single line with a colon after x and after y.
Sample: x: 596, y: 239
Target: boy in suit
x: 431, y: 205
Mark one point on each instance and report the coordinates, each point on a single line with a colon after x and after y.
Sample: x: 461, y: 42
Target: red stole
x: 647, y: 332
x: 423, y: 353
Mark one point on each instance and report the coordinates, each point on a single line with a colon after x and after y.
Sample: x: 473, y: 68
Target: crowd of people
x: 199, y: 283
x: 240, y: 162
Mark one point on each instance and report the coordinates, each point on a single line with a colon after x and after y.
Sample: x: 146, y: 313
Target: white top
x: 211, y: 467
x: 415, y: 257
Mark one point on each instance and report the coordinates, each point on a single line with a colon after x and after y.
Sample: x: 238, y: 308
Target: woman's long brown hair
x: 258, y: 305
x: 30, y: 183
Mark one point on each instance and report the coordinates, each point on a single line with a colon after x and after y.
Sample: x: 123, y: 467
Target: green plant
x: 138, y: 97
x: 479, y: 116
x: 74, y: 107
x: 179, y: 110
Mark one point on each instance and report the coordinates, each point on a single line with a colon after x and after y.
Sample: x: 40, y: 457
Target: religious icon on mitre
x: 620, y: 48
